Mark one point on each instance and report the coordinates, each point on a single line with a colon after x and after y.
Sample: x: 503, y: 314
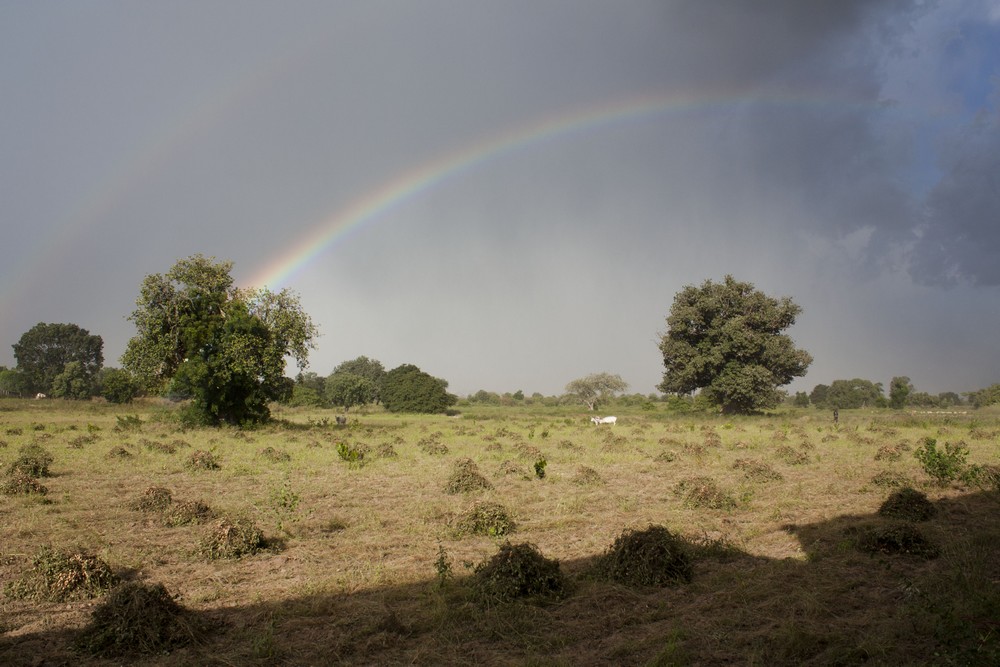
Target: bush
x: 705, y: 493
x: 518, y: 571
x: 650, y: 557
x: 944, y: 466
x: 33, y: 461
x: 57, y: 576
x: 465, y: 477
x: 486, y: 518
x: 233, y: 539
x: 137, y: 618
x: 908, y: 504
x: 895, y: 538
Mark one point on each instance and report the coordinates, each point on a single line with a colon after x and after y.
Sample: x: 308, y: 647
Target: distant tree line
x: 859, y: 393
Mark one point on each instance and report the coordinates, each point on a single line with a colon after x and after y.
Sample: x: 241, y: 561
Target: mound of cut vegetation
x: 650, y: 557
x: 233, y: 538
x: 485, y: 518
x: 908, y: 504
x: 893, y: 539
x: 518, y: 571
x: 465, y: 477
x: 57, y: 576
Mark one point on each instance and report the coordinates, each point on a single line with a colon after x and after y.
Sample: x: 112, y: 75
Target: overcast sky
x: 520, y: 187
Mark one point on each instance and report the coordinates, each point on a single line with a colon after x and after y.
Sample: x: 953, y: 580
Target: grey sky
x: 846, y: 154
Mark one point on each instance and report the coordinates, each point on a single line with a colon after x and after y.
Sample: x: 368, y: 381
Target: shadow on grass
x: 838, y: 605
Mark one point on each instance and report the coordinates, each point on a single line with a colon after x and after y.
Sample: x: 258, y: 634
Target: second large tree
x: 726, y: 340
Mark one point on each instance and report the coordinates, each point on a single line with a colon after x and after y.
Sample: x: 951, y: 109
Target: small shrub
x: 944, y: 466
x: 908, y: 504
x: 202, y: 460
x: 352, y: 455
x: 128, y: 423
x: 486, y: 518
x: 791, y: 456
x: 465, y: 477
x: 984, y: 476
x: 275, y: 455
x: 586, y: 476
x: 518, y: 571
x: 540, y: 468
x: 757, y: 471
x: 650, y: 557
x: 153, y: 499
x: 120, y: 453
x: 137, y: 619
x: 895, y: 538
x: 703, y: 492
x: 186, y: 512
x: 58, y: 576
x: 233, y: 539
x: 33, y: 461
x: 20, y: 484
x: 890, y: 478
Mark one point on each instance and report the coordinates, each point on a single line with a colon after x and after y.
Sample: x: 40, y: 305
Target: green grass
x: 351, y: 572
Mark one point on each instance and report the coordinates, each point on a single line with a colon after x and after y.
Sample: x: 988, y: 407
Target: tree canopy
x: 596, y: 387
x: 406, y: 388
x: 44, y: 350
x: 371, y: 370
x: 726, y: 340
x: 200, y: 337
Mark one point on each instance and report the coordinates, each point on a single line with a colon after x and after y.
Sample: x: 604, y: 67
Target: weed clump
x: 944, y: 466
x: 486, y: 518
x: 187, y: 512
x: 275, y: 455
x: 465, y: 477
x: 352, y: 455
x: 137, y: 619
x: 32, y: 460
x: 703, y: 492
x: 908, y: 504
x: 153, y: 499
x: 650, y: 557
x: 757, y: 471
x: 20, y: 484
x: 57, y: 576
x: 202, y: 460
x: 895, y: 538
x: 518, y: 571
x: 233, y: 539
x: 586, y: 476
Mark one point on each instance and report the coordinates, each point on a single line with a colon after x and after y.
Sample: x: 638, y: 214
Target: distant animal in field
x: 40, y: 396
x: 341, y: 421
x: 604, y: 420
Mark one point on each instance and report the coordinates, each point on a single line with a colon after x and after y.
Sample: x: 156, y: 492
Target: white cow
x: 604, y: 420
x: 40, y: 396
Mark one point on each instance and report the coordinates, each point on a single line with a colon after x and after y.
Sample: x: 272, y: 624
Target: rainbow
x: 407, y: 185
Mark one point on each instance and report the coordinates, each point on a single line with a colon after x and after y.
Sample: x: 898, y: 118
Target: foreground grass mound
x: 650, y: 557
x: 518, y: 571
x: 908, y: 504
x: 32, y: 460
x: 485, y: 518
x: 895, y: 539
x: 233, y: 538
x: 466, y: 478
x: 137, y: 619
x: 20, y: 484
x: 57, y: 576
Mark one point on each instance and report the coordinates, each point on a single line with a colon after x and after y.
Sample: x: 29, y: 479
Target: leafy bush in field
x: 890, y: 478
x: 895, y: 538
x: 705, y: 493
x: 353, y: 455
x: 540, y: 468
x: 33, y: 461
x: 944, y: 466
x: 586, y: 476
x: 518, y: 571
x: 153, y: 499
x: 137, y: 619
x: 186, y: 512
x: 20, y: 484
x: 908, y: 504
x: 486, y: 518
x: 983, y: 476
x: 465, y: 477
x: 233, y: 539
x: 757, y: 471
x: 650, y: 557
x: 58, y: 576
x: 202, y: 460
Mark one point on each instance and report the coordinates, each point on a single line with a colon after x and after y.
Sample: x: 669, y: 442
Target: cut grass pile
x: 57, y: 576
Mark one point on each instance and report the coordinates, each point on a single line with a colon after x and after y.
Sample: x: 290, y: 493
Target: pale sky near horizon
x: 509, y: 195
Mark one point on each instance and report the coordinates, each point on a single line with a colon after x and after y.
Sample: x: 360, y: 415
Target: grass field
x: 373, y: 560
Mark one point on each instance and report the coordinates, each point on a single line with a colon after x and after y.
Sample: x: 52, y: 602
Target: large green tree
x: 726, y: 340
x: 348, y: 390
x: 900, y: 389
x: 856, y: 393
x: 44, y: 350
x: 596, y: 387
x: 370, y: 369
x: 406, y: 388
x: 199, y: 336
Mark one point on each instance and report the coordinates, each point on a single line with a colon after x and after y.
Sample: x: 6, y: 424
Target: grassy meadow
x: 370, y: 548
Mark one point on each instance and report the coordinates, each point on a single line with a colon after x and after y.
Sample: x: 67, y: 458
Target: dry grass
x: 351, y: 577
